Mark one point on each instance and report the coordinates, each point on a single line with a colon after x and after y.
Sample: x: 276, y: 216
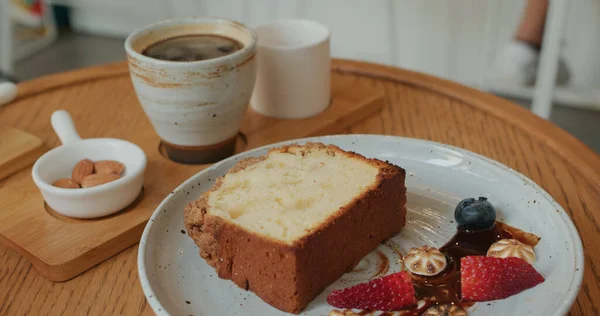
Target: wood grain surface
x: 416, y: 106
x: 18, y: 149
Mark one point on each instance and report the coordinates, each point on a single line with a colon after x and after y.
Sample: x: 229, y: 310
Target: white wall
x: 454, y: 39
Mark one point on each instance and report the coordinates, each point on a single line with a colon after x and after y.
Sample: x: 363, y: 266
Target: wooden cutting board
x: 60, y: 247
x: 18, y: 149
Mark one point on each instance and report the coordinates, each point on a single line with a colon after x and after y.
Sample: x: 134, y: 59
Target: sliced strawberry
x: 389, y: 293
x: 487, y: 278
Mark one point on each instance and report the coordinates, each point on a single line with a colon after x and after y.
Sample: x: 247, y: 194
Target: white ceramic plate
x: 177, y: 281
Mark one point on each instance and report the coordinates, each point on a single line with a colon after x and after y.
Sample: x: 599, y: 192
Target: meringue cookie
x: 446, y: 310
x: 425, y: 261
x: 511, y: 248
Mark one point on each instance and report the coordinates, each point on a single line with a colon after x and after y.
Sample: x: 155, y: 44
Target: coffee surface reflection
x: 192, y: 48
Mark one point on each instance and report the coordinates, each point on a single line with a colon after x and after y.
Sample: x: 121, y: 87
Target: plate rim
x: 564, y: 308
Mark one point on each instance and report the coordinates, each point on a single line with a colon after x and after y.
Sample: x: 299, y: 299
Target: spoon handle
x: 8, y: 92
x: 63, y: 126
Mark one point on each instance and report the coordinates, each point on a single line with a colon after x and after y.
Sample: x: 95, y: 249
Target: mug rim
x: 322, y: 38
x: 249, y: 48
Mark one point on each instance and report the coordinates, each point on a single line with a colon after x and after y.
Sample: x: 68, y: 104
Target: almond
x: 109, y: 166
x: 82, y: 169
x: 66, y: 184
x: 98, y: 179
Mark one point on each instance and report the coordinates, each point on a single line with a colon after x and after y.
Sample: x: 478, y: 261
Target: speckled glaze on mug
x: 194, y: 105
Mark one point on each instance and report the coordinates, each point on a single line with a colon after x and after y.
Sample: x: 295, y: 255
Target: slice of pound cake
x: 288, y: 224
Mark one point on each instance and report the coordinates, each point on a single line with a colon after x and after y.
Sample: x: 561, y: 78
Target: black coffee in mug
x: 192, y: 48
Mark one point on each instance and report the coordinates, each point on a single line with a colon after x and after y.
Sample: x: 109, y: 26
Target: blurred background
x: 459, y: 40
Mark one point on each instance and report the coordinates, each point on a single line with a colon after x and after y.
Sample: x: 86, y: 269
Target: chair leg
x: 549, y: 57
x: 6, y: 59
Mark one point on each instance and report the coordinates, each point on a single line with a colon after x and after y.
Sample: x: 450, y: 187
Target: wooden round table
x: 416, y: 105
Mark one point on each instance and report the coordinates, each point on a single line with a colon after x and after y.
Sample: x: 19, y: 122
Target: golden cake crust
x: 288, y: 276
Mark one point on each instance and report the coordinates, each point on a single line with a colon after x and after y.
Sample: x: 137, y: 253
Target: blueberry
x: 474, y: 214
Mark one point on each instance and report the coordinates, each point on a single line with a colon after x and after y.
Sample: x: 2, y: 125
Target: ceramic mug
x: 294, y: 67
x: 195, y: 107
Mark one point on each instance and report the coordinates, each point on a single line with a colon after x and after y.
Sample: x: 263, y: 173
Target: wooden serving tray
x: 18, y: 150
x: 61, y: 248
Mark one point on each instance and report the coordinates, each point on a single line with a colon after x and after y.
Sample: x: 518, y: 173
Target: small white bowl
x: 96, y: 201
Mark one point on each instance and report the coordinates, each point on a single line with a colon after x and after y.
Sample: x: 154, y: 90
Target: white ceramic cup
x: 195, y: 106
x: 293, y: 77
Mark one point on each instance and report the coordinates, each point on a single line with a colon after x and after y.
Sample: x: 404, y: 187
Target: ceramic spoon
x: 8, y: 92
